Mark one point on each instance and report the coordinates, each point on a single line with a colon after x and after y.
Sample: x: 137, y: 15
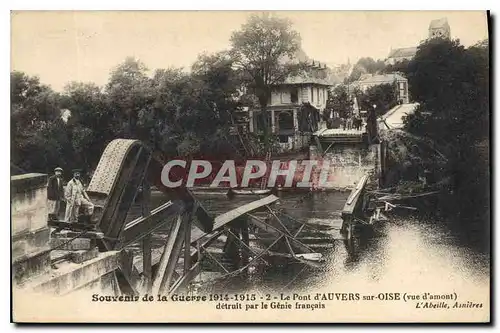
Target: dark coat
x: 55, y: 192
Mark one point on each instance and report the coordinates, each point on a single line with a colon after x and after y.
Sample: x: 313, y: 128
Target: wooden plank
x: 354, y: 198
x: 227, y: 217
x: 140, y: 227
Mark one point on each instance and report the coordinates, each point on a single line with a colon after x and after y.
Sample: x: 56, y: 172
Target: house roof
x: 319, y: 73
x: 307, y: 79
x: 383, y: 78
x: 403, y: 52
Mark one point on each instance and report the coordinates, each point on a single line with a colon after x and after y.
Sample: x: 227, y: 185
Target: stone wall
x: 28, y: 202
x: 347, y: 164
x: 30, y: 233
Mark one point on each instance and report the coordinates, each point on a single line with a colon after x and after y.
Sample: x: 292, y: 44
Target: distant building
x: 401, y: 54
x: 393, y: 78
x: 295, y: 107
x: 437, y: 29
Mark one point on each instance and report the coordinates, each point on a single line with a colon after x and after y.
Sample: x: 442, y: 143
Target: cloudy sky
x: 61, y: 47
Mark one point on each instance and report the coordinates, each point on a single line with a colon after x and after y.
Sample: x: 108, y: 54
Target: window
x: 285, y: 120
x: 317, y: 95
x: 285, y: 97
x: 294, y: 95
x: 283, y: 138
x: 312, y: 95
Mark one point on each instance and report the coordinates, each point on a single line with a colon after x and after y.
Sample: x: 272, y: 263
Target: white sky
x: 61, y: 47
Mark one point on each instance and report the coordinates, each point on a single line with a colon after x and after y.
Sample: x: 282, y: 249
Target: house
x: 295, y: 107
x: 393, y: 78
x: 401, y: 54
x: 437, y: 29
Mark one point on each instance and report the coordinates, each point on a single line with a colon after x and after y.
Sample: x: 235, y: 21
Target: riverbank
x: 459, y: 186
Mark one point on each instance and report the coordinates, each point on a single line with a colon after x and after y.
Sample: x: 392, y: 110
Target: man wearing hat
x: 55, y: 193
x: 76, y: 197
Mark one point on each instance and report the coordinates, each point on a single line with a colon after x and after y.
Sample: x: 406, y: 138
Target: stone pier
x: 38, y: 267
x: 30, y: 233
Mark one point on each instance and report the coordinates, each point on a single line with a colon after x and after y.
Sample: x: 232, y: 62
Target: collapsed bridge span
x: 124, y: 177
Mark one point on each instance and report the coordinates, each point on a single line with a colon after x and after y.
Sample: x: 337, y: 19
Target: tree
x: 400, y: 66
x: 91, y: 125
x: 365, y: 66
x: 260, y: 51
x: 451, y: 83
x: 39, y: 139
x: 129, y: 93
x: 339, y: 101
x: 383, y: 96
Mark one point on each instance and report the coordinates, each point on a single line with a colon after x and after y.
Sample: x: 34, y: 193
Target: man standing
x: 76, y: 197
x: 55, y: 193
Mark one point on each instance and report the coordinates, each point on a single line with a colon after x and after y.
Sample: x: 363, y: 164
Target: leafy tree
x: 129, y: 94
x: 91, y: 124
x: 39, y: 137
x: 339, y: 101
x: 260, y: 51
x: 383, y: 96
x: 400, y: 66
x: 451, y: 83
x: 365, y: 66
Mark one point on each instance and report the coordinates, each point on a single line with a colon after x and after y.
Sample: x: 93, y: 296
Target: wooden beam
x: 215, y: 259
x: 277, y: 232
x: 227, y: 217
x: 245, y: 239
x: 126, y: 277
x: 140, y: 227
x: 168, y: 252
x: 244, y: 245
x: 187, y: 238
x: 146, y: 264
x: 146, y: 241
x: 186, y: 278
x: 285, y: 229
x: 146, y: 198
x: 173, y: 255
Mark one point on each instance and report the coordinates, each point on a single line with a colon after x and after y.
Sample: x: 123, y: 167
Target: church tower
x: 439, y: 29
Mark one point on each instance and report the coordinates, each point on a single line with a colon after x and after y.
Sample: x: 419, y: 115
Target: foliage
x: 172, y: 111
x: 451, y: 83
x: 400, y: 66
x: 339, y: 100
x: 261, y: 52
x: 383, y: 96
x: 365, y: 66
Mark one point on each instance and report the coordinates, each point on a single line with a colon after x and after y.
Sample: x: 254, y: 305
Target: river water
x: 401, y: 253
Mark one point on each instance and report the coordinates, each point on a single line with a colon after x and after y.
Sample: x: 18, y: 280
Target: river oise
x: 402, y: 255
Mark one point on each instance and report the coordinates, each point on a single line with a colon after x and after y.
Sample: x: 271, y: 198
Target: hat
x: 58, y: 169
x: 77, y: 170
